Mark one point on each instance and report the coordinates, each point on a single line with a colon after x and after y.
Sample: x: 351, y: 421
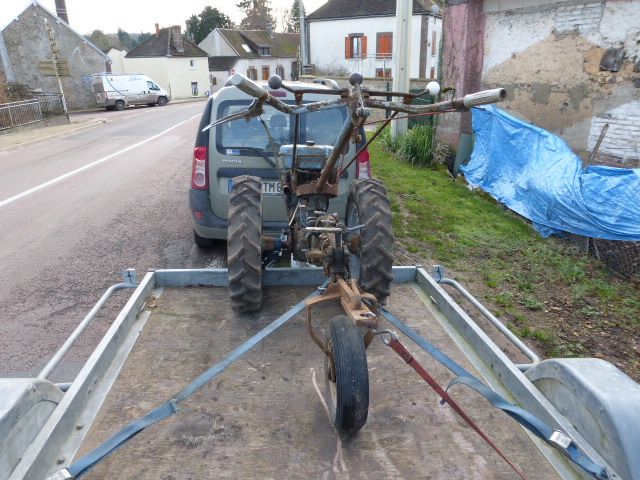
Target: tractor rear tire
x: 244, y: 250
x: 372, y: 263
x: 346, y: 375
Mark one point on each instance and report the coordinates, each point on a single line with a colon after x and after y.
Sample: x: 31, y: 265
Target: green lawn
x: 546, y: 290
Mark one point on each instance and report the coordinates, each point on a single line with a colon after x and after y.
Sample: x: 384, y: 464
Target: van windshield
x: 322, y: 127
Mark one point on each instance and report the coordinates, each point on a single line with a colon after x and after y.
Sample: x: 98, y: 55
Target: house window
x: 355, y: 46
x: 434, y: 41
x: 192, y: 64
x: 383, y: 72
x: 433, y: 72
x: 266, y: 72
x: 384, y: 45
x: 194, y: 89
x: 252, y: 73
x: 263, y: 51
x: 280, y: 71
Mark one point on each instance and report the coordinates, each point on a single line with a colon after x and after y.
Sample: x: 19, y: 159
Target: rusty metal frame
x: 351, y: 297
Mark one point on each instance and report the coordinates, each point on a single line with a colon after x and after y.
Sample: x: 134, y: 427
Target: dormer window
x: 264, y: 51
x: 246, y: 48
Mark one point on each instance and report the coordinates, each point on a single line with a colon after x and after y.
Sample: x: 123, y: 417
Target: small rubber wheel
x: 244, y: 249
x: 346, y: 375
x: 371, y: 264
x: 162, y: 101
x: 120, y: 105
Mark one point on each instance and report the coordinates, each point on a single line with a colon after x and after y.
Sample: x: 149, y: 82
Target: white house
x: 258, y: 54
x: 358, y: 35
x: 116, y: 57
x: 174, y: 62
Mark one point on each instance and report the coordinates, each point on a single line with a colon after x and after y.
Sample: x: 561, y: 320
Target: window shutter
x: 348, y: 48
x: 384, y: 46
x: 364, y: 47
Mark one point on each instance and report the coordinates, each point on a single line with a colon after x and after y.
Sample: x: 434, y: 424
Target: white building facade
x: 366, y: 44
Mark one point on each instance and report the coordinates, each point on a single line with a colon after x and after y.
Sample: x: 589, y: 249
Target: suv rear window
x: 322, y: 127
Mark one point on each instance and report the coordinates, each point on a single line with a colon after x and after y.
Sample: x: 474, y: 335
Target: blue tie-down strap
x: 532, y: 423
x: 90, y: 460
x: 529, y: 421
x: 86, y: 463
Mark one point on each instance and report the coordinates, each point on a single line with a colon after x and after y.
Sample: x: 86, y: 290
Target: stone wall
x: 570, y: 68
x: 28, y: 46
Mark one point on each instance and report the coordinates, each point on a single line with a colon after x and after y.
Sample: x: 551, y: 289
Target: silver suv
x: 243, y: 147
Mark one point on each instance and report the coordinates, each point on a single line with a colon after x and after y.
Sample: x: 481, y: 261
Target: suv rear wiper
x: 259, y: 152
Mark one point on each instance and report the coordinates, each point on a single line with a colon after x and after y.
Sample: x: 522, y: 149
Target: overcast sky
x: 136, y: 16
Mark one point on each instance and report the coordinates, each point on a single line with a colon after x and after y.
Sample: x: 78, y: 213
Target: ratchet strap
x: 83, y: 465
x: 532, y: 423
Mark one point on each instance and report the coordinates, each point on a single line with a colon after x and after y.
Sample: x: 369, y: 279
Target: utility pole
x: 303, y: 38
x: 401, y: 59
x: 56, y: 57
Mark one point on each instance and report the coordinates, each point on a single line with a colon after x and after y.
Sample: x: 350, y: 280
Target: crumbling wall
x: 28, y: 47
x: 570, y: 68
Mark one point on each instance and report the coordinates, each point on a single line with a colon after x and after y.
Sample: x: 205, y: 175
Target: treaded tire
x: 162, y: 101
x: 348, y: 395
x: 203, y: 242
x: 244, y: 252
x: 120, y: 105
x: 372, y: 264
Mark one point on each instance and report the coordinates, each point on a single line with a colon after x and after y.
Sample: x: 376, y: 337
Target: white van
x: 116, y: 91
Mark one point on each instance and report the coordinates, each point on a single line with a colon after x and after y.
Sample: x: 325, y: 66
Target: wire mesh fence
x: 32, y: 111
x: 621, y: 256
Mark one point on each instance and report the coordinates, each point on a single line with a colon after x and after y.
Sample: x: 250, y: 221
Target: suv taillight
x: 363, y: 166
x: 200, y: 171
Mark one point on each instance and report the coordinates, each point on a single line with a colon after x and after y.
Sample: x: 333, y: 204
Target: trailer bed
x: 264, y: 417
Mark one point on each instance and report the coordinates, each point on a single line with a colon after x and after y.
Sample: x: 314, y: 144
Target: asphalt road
x: 77, y: 211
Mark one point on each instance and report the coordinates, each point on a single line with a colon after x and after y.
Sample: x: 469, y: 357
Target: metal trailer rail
x: 604, y: 430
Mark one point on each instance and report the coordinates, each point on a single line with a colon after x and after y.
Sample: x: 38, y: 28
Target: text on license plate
x: 269, y: 187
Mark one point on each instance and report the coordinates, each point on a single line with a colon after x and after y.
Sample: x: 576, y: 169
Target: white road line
x: 90, y: 165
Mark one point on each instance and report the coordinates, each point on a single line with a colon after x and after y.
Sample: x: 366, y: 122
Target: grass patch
x: 552, y: 292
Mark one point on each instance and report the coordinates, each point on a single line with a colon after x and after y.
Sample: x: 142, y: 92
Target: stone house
x: 569, y: 67
x: 27, y: 57
x: 172, y: 61
x: 358, y: 35
x: 258, y: 54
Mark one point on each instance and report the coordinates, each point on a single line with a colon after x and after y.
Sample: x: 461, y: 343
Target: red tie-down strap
x: 413, y: 363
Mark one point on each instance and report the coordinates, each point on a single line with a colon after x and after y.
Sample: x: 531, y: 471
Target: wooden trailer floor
x: 264, y: 417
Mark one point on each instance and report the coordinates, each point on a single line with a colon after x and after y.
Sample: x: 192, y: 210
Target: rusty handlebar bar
x: 471, y: 100
x: 358, y: 100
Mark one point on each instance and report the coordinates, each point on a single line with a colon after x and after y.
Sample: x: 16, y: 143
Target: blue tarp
x: 535, y: 174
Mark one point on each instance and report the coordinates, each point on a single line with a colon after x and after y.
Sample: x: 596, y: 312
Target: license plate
x: 269, y: 187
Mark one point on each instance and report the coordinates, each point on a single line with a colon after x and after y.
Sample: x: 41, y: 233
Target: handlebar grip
x: 484, y: 98
x: 247, y: 86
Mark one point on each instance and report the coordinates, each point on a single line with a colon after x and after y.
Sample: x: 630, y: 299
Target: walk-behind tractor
x: 356, y: 252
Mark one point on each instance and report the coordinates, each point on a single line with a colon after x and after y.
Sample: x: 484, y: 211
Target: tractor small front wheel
x: 346, y: 375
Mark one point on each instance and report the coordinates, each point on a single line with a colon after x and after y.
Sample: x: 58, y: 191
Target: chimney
x: 61, y: 10
x: 178, y: 39
x: 157, y: 29
x: 270, y: 28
